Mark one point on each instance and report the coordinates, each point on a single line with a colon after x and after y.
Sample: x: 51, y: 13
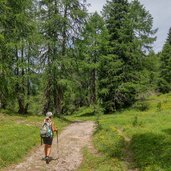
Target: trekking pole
x: 57, y: 141
x: 57, y: 136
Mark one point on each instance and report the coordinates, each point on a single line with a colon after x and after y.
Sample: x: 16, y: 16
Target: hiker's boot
x: 47, y: 160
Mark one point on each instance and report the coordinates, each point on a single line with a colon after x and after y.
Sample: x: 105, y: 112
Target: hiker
x: 48, y: 140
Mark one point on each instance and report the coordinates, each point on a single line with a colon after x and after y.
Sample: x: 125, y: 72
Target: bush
x: 159, y: 106
x: 136, y: 121
x: 120, y: 97
x: 163, y: 86
x: 141, y: 106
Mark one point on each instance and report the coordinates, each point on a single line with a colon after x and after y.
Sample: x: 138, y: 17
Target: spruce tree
x: 164, y: 83
x: 121, y: 73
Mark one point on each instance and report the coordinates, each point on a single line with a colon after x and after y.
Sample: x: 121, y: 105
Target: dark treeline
x: 56, y: 56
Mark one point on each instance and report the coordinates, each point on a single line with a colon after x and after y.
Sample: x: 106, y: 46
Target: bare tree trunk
x: 64, y: 31
x: 21, y: 87
x: 59, y: 100
x: 47, y: 103
x: 93, y: 87
x: 18, y: 87
x: 21, y: 105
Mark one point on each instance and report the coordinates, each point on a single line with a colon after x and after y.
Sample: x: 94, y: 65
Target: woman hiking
x: 48, y: 140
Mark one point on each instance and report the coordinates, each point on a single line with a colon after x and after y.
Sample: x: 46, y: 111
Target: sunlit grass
x: 100, y: 163
x: 18, y: 135
x: 149, y: 133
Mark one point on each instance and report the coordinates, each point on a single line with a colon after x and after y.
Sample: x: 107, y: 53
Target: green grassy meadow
x: 19, y: 135
x: 133, y: 139
x: 127, y: 140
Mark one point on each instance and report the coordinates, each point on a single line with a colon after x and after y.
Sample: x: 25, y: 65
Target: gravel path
x: 66, y: 156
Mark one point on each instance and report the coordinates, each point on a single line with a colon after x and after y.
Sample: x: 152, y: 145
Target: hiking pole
x: 57, y: 141
x: 57, y: 136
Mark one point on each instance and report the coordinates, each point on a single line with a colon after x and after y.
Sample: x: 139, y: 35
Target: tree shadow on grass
x: 87, y: 114
x: 65, y: 119
x: 168, y: 131
x: 151, y: 149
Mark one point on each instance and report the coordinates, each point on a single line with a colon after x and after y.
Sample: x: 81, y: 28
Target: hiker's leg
x: 49, y: 146
x: 48, y: 150
x: 47, y: 153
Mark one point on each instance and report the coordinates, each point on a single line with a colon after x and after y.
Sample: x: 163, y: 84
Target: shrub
x: 136, y: 122
x: 163, y: 86
x: 141, y: 106
x: 159, y: 106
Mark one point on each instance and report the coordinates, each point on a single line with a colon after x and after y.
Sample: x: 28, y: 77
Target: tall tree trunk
x: 19, y: 98
x: 47, y: 94
x: 59, y: 98
x: 64, y: 31
x: 93, y: 87
x: 21, y: 90
x: 21, y: 106
x: 28, y: 79
x: 58, y: 93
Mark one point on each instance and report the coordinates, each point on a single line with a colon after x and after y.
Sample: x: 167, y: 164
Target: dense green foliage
x: 56, y: 56
x: 128, y: 42
x: 165, y: 66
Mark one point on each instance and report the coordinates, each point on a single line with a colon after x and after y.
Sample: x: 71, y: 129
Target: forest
x: 56, y: 56
x: 88, y: 69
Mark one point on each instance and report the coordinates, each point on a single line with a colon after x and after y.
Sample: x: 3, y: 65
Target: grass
x: 148, y: 132
x: 124, y: 140
x: 18, y: 135
x: 99, y: 163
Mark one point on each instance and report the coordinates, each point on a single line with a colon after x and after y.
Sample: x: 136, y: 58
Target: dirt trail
x: 128, y: 154
x: 67, y: 157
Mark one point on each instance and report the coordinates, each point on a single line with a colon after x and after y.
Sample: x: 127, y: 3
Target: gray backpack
x: 46, y: 130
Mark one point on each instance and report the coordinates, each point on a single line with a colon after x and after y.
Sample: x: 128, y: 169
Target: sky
x: 160, y: 11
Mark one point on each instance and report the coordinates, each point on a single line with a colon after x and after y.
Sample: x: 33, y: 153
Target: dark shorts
x: 48, y: 140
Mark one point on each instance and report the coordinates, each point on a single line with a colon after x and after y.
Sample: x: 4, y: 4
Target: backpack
x: 46, y: 130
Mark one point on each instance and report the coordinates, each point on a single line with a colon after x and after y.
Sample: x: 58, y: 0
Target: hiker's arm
x: 54, y: 128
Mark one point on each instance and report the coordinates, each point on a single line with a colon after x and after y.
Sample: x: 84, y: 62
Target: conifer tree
x: 125, y: 59
x: 92, y: 46
x: 164, y: 83
x: 61, y: 25
x: 18, y: 29
x: 4, y: 58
